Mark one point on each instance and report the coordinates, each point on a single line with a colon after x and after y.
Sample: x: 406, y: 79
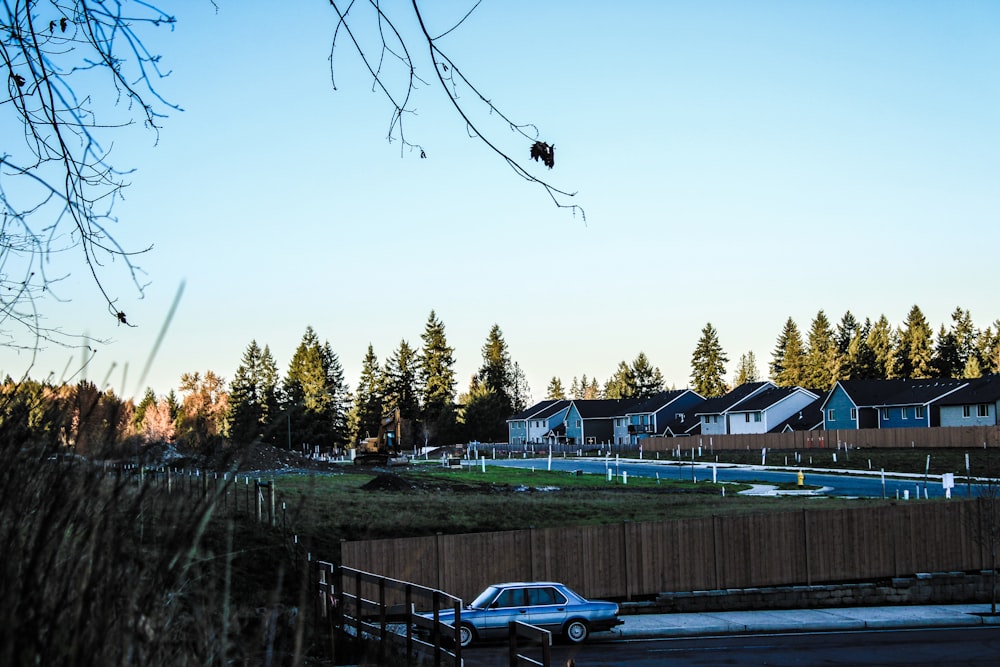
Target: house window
x: 829, y: 415
x: 902, y: 413
x: 918, y: 412
x: 854, y: 414
x: 747, y: 415
x: 756, y: 416
x: 885, y: 414
x: 966, y: 411
x: 984, y: 410
x: 579, y: 423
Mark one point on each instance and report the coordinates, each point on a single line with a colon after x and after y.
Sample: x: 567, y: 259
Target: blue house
x: 900, y: 403
x: 653, y: 415
x: 593, y: 422
x: 975, y: 404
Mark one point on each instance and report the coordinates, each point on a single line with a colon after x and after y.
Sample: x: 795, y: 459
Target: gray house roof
x: 722, y: 404
x: 809, y: 418
x: 979, y: 390
x: 767, y: 398
x: 890, y: 393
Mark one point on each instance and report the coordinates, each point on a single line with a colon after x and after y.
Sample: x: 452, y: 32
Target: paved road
x: 904, y: 635
x: 859, y: 483
x: 977, y: 647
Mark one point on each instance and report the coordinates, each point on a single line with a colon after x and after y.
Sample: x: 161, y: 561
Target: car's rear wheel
x: 576, y: 631
x: 466, y: 635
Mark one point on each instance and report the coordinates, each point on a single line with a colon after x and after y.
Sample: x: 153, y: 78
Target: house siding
x: 537, y: 428
x: 713, y: 424
x: 574, y: 426
x: 771, y: 416
x: 954, y: 415
x: 517, y: 432
x: 841, y: 405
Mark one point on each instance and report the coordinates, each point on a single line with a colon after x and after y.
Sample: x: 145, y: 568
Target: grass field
x: 422, y: 500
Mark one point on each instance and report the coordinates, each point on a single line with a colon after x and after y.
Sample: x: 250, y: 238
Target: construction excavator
x: 385, y: 447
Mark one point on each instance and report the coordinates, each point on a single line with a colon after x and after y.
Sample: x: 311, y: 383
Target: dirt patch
x: 388, y: 482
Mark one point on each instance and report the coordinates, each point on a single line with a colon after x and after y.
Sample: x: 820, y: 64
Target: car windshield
x: 485, y: 598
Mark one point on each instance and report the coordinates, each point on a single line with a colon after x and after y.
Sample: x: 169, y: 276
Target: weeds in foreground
x: 101, y: 568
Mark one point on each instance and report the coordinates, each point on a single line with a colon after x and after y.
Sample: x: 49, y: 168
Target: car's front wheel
x: 576, y: 631
x: 466, y: 635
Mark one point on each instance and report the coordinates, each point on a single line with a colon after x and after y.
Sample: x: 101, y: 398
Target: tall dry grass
x: 101, y: 567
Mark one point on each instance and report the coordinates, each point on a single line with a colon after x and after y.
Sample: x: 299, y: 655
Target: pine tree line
x: 856, y: 350
x: 313, y: 405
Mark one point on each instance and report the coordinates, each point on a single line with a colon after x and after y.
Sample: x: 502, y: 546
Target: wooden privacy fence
x: 954, y: 436
x: 627, y: 560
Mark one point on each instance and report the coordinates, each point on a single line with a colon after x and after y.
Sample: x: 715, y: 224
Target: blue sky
x: 739, y: 163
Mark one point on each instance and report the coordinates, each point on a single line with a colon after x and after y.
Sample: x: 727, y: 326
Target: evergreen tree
x: 496, y: 373
x: 945, y: 360
x: 788, y: 358
x: 988, y: 349
x: 366, y: 410
x: 148, y: 401
x: 820, y: 369
x: 647, y: 379
x: 340, y: 397
x: 708, y: 364
x: 882, y: 342
x: 746, y: 369
x: 848, y: 330
x: 253, y: 401
x: 496, y: 389
x: 621, y: 384
x: 859, y: 362
x: 956, y: 346
x: 437, y: 384
x: 972, y: 368
x: 399, y: 383
x: 913, y: 354
x: 555, y: 390
x: 311, y: 400
x: 574, y: 389
x: 592, y: 392
x: 581, y: 392
x: 485, y: 414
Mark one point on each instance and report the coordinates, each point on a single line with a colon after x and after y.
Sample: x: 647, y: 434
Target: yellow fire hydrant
x: 801, y: 478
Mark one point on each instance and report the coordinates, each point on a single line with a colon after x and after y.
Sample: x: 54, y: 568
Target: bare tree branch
x: 78, y: 72
x: 452, y: 81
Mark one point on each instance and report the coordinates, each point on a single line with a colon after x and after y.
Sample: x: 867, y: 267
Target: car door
x: 509, y: 605
x: 546, y: 608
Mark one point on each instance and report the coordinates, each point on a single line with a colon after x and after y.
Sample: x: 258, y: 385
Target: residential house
x: 899, y: 403
x: 518, y: 425
x: 764, y: 411
x: 714, y: 412
x: 593, y: 422
x: 653, y: 415
x: 975, y: 404
x: 809, y: 418
x: 546, y: 425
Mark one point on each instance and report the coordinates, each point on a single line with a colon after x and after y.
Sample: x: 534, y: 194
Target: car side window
x: 511, y: 597
x: 540, y: 596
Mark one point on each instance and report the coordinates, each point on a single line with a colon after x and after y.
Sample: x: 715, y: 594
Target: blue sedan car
x: 546, y: 604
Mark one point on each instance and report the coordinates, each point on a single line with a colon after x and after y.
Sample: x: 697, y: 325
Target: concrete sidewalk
x: 638, y: 626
